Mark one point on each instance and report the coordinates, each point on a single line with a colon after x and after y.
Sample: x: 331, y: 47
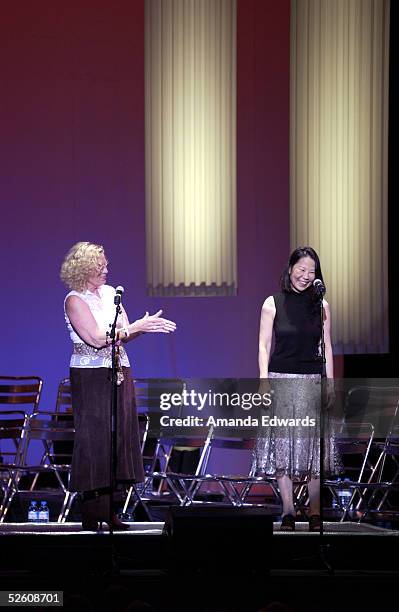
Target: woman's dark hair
x: 305, y: 251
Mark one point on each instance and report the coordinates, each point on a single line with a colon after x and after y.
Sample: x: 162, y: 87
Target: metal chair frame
x: 133, y: 489
x: 147, y: 395
x: 365, y: 486
x: 389, y: 449
x: 182, y: 484
x: 177, y: 483
x: 47, y: 428
x: 148, y: 402
x: 63, y: 405
x: 236, y: 488
x: 13, y: 430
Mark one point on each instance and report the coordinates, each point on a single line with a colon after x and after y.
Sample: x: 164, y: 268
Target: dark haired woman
x: 294, y: 316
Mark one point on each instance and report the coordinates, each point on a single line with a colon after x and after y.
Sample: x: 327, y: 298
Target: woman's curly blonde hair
x: 80, y: 262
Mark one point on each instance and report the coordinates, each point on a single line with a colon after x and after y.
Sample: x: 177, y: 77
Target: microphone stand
x: 113, y: 412
x: 113, y: 419
x: 323, y: 379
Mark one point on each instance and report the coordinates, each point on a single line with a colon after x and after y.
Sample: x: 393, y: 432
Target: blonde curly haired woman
x: 89, y: 310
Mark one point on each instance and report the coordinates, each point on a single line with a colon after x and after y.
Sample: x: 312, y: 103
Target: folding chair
x: 24, y: 392
x: 63, y: 405
x: 45, y: 428
x: 148, y: 392
x: 178, y: 484
x: 236, y: 488
x: 364, y: 408
x: 158, y: 446
x: 384, y: 478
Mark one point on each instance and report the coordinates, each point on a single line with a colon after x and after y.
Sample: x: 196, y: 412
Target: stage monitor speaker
x: 225, y: 539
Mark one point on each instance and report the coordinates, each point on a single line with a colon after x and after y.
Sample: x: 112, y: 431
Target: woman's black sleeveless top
x: 297, y: 331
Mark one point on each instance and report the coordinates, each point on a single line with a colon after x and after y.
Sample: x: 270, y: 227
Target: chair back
x: 238, y: 451
x: 56, y: 433
x: 51, y: 427
x: 232, y: 443
x: 64, y: 396
x: 376, y: 405
x: 188, y: 439
x: 148, y: 392
x: 21, y: 390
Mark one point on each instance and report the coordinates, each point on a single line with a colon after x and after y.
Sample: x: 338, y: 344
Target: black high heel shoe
x: 90, y: 514
x: 96, y: 511
x: 116, y: 524
x: 287, y: 523
x: 90, y: 524
x: 314, y: 522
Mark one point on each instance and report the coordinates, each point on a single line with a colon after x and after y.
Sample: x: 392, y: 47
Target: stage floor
x: 355, y: 562
x: 330, y: 528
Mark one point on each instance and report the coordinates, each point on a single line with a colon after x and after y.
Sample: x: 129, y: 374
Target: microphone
x: 319, y: 287
x: 118, y: 296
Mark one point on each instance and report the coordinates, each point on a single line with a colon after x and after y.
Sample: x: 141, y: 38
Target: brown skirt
x: 91, y: 400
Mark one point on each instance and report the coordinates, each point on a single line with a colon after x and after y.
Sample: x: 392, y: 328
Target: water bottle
x: 345, y: 495
x: 43, y: 512
x: 32, y: 512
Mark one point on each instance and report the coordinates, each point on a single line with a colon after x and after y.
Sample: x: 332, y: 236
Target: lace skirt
x: 290, y: 445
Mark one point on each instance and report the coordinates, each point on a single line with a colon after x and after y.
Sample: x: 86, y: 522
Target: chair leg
x: 66, y: 506
x: 5, y: 506
x: 127, y: 500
